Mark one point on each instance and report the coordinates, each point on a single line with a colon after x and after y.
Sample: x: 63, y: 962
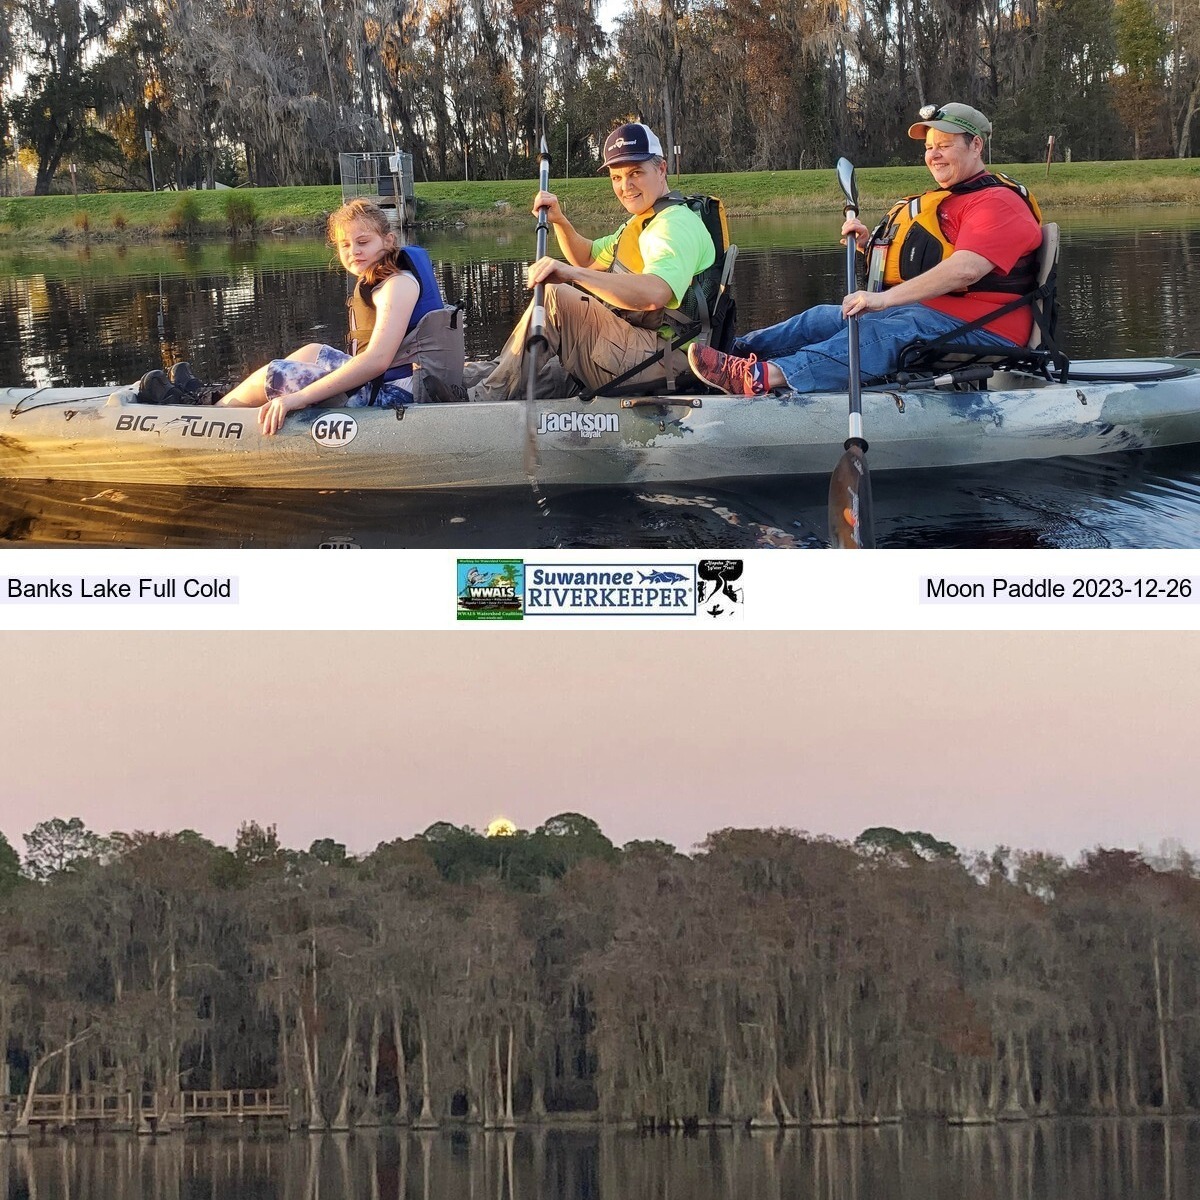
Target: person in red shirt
x: 952, y: 255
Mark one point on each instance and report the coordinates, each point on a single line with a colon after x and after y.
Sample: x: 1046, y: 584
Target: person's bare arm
x: 576, y: 248
x: 636, y: 293
x: 395, y: 300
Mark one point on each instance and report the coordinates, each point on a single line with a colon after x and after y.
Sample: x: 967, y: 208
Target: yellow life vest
x: 701, y: 296
x: 909, y: 240
x: 627, y: 255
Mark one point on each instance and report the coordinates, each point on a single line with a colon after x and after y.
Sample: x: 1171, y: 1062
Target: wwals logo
x: 490, y: 589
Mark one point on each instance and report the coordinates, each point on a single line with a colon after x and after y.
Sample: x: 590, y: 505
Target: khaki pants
x: 586, y: 341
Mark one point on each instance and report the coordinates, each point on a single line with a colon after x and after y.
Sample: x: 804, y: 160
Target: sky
x: 1038, y: 741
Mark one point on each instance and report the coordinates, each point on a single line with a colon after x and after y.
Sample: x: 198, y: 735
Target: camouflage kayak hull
x: 92, y: 434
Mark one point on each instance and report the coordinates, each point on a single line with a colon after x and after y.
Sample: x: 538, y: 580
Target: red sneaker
x: 726, y: 372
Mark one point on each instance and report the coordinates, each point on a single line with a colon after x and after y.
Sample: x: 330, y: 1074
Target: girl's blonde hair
x: 366, y: 212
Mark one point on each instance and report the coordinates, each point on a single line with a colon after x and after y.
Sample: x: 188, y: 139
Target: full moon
x: 501, y: 827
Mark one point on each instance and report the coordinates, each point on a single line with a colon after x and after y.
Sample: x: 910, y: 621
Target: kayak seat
x: 1041, y: 354
x: 715, y: 326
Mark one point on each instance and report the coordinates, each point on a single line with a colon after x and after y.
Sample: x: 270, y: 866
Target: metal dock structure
x: 384, y: 176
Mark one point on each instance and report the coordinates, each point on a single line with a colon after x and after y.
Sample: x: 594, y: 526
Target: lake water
x: 1045, y: 1160
x: 1129, y: 284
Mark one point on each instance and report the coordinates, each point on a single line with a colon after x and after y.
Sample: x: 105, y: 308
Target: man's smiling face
x: 638, y: 185
x: 952, y: 157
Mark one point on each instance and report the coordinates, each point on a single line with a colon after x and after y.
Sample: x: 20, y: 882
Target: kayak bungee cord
x: 21, y: 406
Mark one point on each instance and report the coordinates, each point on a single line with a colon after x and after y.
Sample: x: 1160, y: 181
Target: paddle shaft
x: 850, y: 484
x: 537, y: 323
x: 855, y: 389
x: 536, y: 337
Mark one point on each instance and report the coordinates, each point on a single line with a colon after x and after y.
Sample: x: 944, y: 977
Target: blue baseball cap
x: 631, y: 143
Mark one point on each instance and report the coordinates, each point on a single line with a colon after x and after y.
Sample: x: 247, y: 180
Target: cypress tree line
x: 769, y: 977
x: 270, y: 93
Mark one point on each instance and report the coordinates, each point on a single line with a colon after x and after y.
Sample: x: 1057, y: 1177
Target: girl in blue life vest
x: 398, y: 322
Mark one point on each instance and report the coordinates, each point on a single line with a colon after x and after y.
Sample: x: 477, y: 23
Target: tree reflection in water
x: 1146, y: 1159
x: 108, y: 314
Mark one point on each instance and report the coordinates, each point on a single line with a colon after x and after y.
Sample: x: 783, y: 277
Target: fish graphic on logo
x: 662, y: 577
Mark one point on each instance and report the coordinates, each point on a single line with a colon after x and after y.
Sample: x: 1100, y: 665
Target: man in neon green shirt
x: 645, y: 267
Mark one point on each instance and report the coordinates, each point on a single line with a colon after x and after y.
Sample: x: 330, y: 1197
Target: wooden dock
x: 144, y: 1114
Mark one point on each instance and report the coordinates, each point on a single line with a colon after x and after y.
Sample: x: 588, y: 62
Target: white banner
x: 589, y: 589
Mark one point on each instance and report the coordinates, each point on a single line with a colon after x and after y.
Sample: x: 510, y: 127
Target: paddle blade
x: 529, y: 451
x: 850, y: 526
x: 846, y: 181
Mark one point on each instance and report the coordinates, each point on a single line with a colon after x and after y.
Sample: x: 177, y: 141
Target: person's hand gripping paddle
x: 850, y: 524
x: 537, y: 326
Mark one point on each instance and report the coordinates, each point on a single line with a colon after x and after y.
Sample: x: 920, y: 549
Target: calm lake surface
x: 1054, y: 1160
x: 1129, y: 284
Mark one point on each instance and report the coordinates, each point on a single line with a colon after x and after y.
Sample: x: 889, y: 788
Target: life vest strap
x: 684, y: 333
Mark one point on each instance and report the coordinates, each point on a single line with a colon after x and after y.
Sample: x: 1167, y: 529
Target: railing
x: 69, y: 1108
x: 245, y: 1102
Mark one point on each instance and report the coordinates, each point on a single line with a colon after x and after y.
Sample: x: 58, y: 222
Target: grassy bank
x: 135, y: 215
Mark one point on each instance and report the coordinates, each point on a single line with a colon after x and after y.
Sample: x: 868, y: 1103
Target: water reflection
x: 99, y: 326
x: 1041, y: 1160
x: 47, y: 513
x: 1149, y: 500
x: 98, y: 315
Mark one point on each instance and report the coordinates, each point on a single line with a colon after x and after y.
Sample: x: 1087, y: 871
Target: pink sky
x: 1046, y: 741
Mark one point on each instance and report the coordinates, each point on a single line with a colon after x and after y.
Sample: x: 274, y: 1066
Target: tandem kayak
x: 92, y: 434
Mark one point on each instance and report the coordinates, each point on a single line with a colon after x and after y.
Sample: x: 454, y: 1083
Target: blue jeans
x: 812, y: 348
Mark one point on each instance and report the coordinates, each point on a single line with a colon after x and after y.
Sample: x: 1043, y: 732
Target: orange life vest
x: 909, y: 240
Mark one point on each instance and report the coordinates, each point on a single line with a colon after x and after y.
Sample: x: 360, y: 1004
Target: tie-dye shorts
x: 285, y: 376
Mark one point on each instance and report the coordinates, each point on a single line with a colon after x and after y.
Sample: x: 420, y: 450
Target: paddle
x: 850, y: 485
x: 536, y: 338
